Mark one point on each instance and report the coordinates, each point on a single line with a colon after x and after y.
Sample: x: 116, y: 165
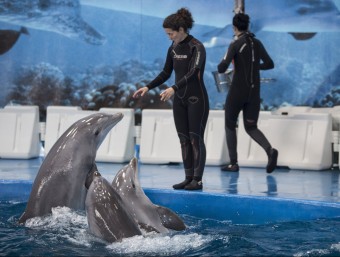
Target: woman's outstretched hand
x: 140, y: 92
x: 167, y: 93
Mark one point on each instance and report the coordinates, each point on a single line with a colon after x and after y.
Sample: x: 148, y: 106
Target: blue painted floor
x: 282, y: 183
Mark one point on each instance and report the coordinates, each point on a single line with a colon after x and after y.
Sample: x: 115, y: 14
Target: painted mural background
x: 96, y: 53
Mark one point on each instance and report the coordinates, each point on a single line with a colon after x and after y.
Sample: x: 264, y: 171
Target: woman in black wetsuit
x: 186, y: 56
x: 249, y: 57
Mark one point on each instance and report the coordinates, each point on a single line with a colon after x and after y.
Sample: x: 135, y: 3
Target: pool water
x: 65, y: 233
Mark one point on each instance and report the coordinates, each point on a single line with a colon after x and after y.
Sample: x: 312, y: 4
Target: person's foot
x: 272, y: 160
x: 194, y: 185
x: 182, y: 184
x: 230, y: 167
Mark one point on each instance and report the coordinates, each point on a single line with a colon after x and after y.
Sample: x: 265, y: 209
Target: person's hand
x: 167, y: 93
x: 140, y: 92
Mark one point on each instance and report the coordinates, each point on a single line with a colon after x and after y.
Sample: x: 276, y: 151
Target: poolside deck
x: 282, y: 183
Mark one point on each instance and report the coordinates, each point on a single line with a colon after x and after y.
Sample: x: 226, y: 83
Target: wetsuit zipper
x: 251, y: 68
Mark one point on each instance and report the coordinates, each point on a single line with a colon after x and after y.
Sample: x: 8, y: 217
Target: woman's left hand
x: 167, y: 94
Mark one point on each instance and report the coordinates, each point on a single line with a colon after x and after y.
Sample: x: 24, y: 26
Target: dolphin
x: 149, y: 216
x: 302, y: 19
x: 8, y: 38
x: 106, y: 214
x: 65, y: 170
x: 62, y: 17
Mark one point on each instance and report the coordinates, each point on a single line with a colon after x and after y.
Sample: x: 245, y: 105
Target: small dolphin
x: 106, y: 214
x: 149, y: 216
x: 62, y: 17
x: 65, y: 170
x: 8, y: 38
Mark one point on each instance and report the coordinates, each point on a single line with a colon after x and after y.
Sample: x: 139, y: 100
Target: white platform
x: 215, y: 139
x: 19, y: 132
x: 290, y: 110
x: 118, y: 145
x: 160, y: 143
x: 304, y: 141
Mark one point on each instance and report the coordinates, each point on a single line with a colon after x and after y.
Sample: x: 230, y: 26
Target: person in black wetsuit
x: 249, y: 57
x: 186, y: 56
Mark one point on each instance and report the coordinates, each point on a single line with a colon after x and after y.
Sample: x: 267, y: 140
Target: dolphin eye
x: 96, y: 132
x: 133, y: 185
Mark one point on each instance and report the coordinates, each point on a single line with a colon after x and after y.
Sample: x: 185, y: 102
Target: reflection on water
x: 230, y: 182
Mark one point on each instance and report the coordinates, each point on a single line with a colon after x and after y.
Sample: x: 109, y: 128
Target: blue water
x: 65, y: 233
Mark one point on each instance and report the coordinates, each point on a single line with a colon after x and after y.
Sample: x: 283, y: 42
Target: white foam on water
x: 313, y: 252
x: 71, y: 225
x: 60, y: 217
x: 165, y: 244
x: 14, y: 202
x: 320, y: 252
x: 65, y: 223
x: 336, y: 246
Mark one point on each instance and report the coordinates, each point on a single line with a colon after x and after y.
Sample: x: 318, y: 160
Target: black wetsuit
x: 191, y: 104
x: 249, y: 57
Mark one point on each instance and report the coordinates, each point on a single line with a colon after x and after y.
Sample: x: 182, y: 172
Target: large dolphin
x: 59, y: 16
x: 62, y: 176
x: 302, y: 19
x: 106, y: 214
x: 149, y: 216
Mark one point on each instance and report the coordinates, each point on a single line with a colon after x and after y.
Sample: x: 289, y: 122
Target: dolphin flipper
x: 8, y: 38
x: 170, y: 219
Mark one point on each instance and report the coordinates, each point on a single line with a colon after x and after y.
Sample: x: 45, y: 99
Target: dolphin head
x: 91, y: 131
x: 100, y: 191
x: 91, y: 175
x: 106, y: 215
x: 149, y: 216
x: 126, y: 181
x: 98, y: 213
x: 69, y: 167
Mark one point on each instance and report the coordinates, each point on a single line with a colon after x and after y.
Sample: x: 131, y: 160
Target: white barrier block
x: 336, y: 108
x: 322, y: 110
x: 159, y: 141
x: 118, y: 145
x: 290, y: 110
x: 336, y: 121
x: 215, y: 139
x: 57, y: 121
x: 303, y: 141
x: 335, y: 112
x: 19, y: 132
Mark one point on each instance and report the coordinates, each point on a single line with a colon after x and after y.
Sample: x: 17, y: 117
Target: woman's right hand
x: 140, y: 92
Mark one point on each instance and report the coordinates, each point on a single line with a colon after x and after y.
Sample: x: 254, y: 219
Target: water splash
x: 156, y: 244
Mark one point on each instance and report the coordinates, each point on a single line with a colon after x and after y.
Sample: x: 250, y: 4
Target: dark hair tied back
x: 182, y: 18
x: 241, y: 21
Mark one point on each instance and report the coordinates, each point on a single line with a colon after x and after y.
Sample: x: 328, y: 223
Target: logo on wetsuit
x: 179, y: 56
x: 193, y: 99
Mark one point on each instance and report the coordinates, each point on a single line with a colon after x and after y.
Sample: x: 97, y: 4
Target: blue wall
x: 237, y: 209
x: 95, y: 53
